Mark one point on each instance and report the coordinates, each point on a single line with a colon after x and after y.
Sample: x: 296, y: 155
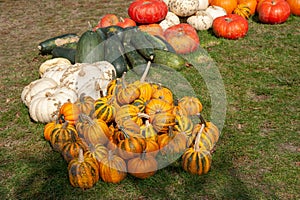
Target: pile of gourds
x: 127, y: 130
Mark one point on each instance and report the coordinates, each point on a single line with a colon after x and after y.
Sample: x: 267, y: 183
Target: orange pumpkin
x: 250, y: 3
x: 69, y: 112
x: 153, y: 29
x: 295, y: 6
x: 228, y: 5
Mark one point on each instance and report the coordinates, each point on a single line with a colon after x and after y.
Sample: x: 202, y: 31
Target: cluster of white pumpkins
x: 198, y: 13
x: 60, y: 82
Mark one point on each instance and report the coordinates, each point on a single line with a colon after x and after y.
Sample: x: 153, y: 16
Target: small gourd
x: 183, y: 8
x: 202, y: 20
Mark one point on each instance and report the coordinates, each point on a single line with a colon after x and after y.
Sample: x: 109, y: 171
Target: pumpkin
x: 250, y: 3
x: 89, y: 78
x: 184, y: 8
x: 273, y: 11
x: 294, y: 6
x: 60, y: 134
x: 148, y: 132
x: 132, y: 112
x: 94, y: 131
x: 162, y: 121
x: 228, y: 5
x: 242, y: 10
x: 147, y: 11
x: 36, y: 86
x: 143, y: 166
x: 155, y: 106
x: 183, y: 124
x: 127, y: 93
x: 170, y: 20
x: 70, y: 149
x: 141, y: 104
x: 69, y: 112
x: 112, y: 168
x: 131, y: 146
x: 145, y: 89
x: 192, y: 105
x: 48, y: 64
x: 172, y: 142
x: 153, y: 29
x: 83, y: 171
x: 202, y: 20
x: 216, y: 11
x: 230, y: 26
x: 48, y: 128
x: 56, y: 72
x: 105, y: 108
x: 203, y: 4
x: 45, y: 105
x: 97, y: 152
x: 85, y: 104
x: 196, y: 160
x: 129, y: 126
x: 151, y: 148
x: 163, y: 93
x: 183, y: 38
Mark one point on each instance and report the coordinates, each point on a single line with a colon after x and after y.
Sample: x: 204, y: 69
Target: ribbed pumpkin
x: 111, y: 86
x: 161, y: 92
x: 148, y: 131
x: 61, y: 134
x: 97, y: 152
x: 196, y: 160
x: 155, y: 106
x: 171, y: 142
x: 183, y: 125
x: 132, y: 112
x: 140, y: 103
x: 145, y: 89
x: 295, y: 6
x: 48, y: 128
x: 152, y: 147
x: 143, y: 166
x: 242, y: 10
x: 162, y: 121
x: 71, y: 148
x: 93, y: 130
x: 250, y: 3
x: 83, y: 171
x: 112, y: 168
x: 129, y: 126
x: 69, y: 112
x: 192, y: 105
x: 131, y: 146
x: 127, y: 93
x: 228, y: 5
x: 105, y: 108
x: 85, y: 104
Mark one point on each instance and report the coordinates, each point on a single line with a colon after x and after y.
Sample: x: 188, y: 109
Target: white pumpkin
x: 183, y: 8
x: 44, y: 106
x: 56, y: 72
x: 202, y: 20
x: 203, y: 4
x: 170, y: 20
x: 48, y: 64
x: 35, y: 87
x: 89, y: 78
x: 216, y: 11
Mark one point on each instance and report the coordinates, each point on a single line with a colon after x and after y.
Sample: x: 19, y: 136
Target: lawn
x: 257, y: 156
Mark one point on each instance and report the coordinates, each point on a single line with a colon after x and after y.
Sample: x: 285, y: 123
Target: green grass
x: 257, y: 156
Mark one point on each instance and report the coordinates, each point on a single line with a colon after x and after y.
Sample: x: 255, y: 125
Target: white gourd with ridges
x: 56, y: 72
x: 44, y: 107
x: 170, y: 20
x: 203, y: 4
x: 216, y: 11
x: 35, y: 87
x: 202, y: 20
x: 48, y: 64
x: 183, y: 8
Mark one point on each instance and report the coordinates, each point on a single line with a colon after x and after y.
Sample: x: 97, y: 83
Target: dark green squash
x: 90, y: 48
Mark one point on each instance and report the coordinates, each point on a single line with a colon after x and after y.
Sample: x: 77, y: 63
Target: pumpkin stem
x: 202, y: 120
x: 65, y: 124
x: 145, y: 72
x: 197, y: 141
x: 87, y: 118
x: 81, y: 97
x: 80, y: 156
x: 143, y: 115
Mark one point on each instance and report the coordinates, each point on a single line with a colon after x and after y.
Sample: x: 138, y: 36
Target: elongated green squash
x: 48, y: 45
x: 90, y: 48
x: 170, y: 59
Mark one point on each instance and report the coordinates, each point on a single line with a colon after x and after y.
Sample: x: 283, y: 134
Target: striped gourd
x: 83, y: 171
x: 105, y: 108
